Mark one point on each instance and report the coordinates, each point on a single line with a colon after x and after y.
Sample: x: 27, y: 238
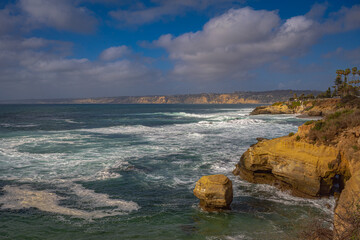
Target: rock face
x: 215, y: 192
x: 305, y: 169
x: 309, y: 170
x: 279, y: 109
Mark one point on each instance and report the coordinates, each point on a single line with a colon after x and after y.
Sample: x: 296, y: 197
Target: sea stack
x: 215, y: 192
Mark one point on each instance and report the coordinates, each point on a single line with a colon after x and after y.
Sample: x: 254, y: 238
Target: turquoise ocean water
x: 128, y: 171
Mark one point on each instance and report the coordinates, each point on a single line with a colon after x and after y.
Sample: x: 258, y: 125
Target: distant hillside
x: 266, y: 97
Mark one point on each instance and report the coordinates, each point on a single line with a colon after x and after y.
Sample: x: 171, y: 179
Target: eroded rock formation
x: 215, y: 192
x: 309, y: 169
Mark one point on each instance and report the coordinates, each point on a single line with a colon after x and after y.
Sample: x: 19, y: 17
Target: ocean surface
x: 128, y: 172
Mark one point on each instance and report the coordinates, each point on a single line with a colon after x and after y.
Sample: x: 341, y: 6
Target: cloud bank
x: 243, y: 39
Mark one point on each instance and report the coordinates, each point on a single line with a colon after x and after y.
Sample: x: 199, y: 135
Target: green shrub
x: 340, y: 113
x: 294, y: 104
x: 334, y: 115
x: 277, y: 103
x: 309, y: 108
x: 291, y: 134
x: 319, y: 125
x: 356, y: 148
x: 309, y: 122
x: 326, y: 130
x: 297, y: 138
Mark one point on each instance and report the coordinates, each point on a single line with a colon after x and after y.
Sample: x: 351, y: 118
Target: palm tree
x: 346, y: 73
x: 338, y: 82
x: 346, y: 85
x: 354, y: 71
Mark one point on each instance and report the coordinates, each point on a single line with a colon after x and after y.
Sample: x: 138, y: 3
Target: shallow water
x: 128, y: 171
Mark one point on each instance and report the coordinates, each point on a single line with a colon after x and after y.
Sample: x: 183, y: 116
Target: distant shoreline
x: 246, y: 97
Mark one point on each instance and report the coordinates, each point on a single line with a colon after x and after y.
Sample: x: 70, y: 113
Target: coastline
x: 308, y: 167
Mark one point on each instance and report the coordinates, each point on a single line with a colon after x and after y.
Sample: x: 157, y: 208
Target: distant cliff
x: 266, y: 97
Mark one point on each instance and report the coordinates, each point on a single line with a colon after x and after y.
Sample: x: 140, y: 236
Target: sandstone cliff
x: 310, y: 165
x: 265, y: 97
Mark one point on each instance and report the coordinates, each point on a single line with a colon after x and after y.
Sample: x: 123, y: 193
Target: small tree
x: 328, y: 93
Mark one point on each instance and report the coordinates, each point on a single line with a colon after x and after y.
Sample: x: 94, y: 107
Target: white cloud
x: 236, y: 41
x: 243, y: 39
x: 62, y: 15
x: 33, y: 68
x: 113, y: 53
x: 139, y: 14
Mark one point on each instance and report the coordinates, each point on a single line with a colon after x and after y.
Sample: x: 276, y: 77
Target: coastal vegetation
x: 345, y: 95
x: 325, y: 131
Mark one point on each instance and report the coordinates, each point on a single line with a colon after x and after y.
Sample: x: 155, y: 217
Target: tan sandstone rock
x: 310, y: 170
x: 215, y: 192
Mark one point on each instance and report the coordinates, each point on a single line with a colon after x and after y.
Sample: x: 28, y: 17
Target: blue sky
x: 94, y: 48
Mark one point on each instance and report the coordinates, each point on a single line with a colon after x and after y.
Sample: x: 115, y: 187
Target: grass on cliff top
x: 350, y: 102
x: 325, y: 131
x: 277, y: 103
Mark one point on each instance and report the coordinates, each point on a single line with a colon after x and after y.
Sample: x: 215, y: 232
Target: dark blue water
x: 128, y: 171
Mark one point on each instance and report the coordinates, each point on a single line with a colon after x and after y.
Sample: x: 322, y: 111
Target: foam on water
x: 273, y: 194
x: 71, y: 121
x: 23, y: 197
x: 138, y: 129
x: 11, y: 125
x: 171, y: 156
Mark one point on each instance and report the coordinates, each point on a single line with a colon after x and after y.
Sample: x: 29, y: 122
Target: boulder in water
x: 215, y: 192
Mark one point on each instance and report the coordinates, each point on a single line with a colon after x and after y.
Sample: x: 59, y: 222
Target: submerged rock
x: 215, y: 192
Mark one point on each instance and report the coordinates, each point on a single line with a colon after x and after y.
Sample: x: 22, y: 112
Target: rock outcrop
x: 309, y: 170
x: 305, y: 169
x: 318, y: 107
x: 215, y: 192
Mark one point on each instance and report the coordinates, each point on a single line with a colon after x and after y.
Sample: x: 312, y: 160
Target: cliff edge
x: 321, y: 159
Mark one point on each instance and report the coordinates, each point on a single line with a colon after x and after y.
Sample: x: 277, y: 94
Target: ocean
x: 128, y: 172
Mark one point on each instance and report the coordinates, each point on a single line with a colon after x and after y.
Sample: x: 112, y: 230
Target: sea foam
x: 23, y: 197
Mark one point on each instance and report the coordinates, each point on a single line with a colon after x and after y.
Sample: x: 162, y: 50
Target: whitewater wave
x: 118, y: 129
x: 11, y: 125
x: 71, y: 121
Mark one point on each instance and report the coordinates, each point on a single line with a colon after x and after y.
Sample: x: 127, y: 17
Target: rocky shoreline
x: 316, y: 107
x: 309, y: 168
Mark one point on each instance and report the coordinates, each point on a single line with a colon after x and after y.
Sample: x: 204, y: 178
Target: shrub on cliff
x: 294, y: 104
x: 325, y: 131
x: 277, y: 104
x: 350, y: 102
x: 309, y: 122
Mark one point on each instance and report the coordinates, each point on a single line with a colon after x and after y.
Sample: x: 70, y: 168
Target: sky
x: 102, y: 48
